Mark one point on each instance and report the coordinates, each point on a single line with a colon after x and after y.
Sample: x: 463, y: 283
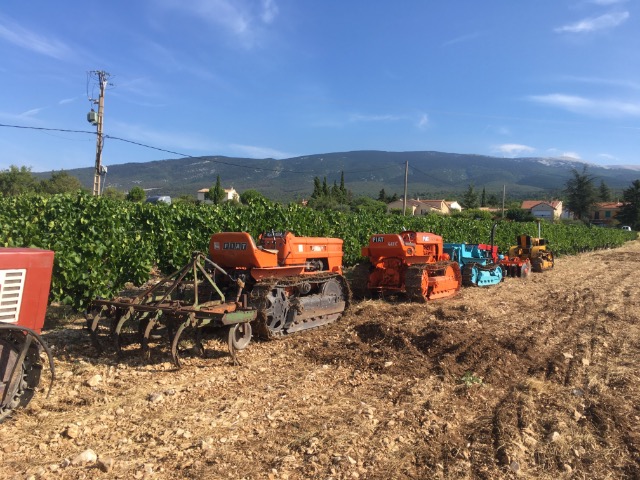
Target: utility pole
x: 504, y: 192
x: 103, y: 78
x: 406, y: 177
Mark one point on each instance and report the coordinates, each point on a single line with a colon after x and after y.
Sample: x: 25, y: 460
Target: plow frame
x: 155, y: 307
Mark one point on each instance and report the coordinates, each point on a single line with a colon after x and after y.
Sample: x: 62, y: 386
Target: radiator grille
x: 11, y: 289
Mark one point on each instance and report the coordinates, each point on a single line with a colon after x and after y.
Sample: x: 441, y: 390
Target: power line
x: 282, y: 170
x: 49, y: 129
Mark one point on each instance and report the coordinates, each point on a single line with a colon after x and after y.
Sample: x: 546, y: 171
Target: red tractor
x: 25, y: 278
x: 410, y: 263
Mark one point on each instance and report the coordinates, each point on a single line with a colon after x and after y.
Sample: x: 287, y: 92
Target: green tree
x: 136, y: 194
x: 483, y: 198
x: 216, y: 193
x: 581, y: 193
x: 16, y: 181
x: 630, y: 212
x: 327, y: 203
x: 367, y: 204
x: 335, y: 192
x: 112, y: 192
x: 325, y: 188
x: 317, y: 188
x: 61, y: 182
x: 604, y: 192
x: 519, y: 215
x: 249, y: 196
x: 190, y: 199
x: 382, y: 196
x: 469, y: 199
x: 493, y: 200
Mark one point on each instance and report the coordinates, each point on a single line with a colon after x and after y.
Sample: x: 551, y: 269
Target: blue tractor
x: 478, y: 263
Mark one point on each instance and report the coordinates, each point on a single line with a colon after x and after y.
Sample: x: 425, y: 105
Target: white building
x: 229, y: 194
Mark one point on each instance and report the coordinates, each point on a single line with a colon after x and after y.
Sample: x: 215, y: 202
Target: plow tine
x: 189, y: 321
x: 93, y: 328
x: 174, y: 345
x: 117, y: 328
x: 238, y: 338
x: 147, y: 332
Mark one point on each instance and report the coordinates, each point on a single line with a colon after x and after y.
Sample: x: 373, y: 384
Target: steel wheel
x: 27, y: 377
x: 275, y: 310
x: 240, y: 335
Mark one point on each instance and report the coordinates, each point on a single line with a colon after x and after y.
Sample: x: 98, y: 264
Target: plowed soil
x: 532, y: 379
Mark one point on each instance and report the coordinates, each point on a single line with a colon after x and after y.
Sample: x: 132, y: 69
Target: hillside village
x: 518, y: 189
x: 602, y: 213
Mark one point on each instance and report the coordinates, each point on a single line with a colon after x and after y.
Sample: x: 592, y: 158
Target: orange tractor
x: 295, y: 283
x: 25, y: 277
x: 281, y: 285
x: 410, y: 263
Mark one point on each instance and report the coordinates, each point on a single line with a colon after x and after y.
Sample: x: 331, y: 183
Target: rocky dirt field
x: 532, y: 379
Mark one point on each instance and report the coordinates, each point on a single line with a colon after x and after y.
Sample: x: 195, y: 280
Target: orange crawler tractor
x: 411, y: 263
x: 295, y: 283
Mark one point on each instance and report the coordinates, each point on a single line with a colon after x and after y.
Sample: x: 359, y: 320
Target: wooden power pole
x: 97, y: 119
x: 406, y: 178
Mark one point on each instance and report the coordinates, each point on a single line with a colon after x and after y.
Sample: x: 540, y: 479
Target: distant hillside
x: 431, y: 174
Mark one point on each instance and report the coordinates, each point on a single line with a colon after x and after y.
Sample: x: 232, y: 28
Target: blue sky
x: 283, y: 78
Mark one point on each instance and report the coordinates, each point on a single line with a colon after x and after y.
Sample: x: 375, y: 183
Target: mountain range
x: 430, y: 174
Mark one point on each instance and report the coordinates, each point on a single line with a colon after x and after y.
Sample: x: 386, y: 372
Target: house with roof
x: 416, y: 206
x: 604, y: 213
x: 454, y: 206
x: 542, y: 209
x: 229, y: 194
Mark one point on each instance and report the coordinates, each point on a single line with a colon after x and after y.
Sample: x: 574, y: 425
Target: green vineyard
x: 100, y: 244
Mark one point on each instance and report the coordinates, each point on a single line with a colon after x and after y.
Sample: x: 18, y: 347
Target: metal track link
x: 413, y: 282
x: 275, y: 297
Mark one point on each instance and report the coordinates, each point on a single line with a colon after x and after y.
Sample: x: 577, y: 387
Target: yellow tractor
x: 534, y: 249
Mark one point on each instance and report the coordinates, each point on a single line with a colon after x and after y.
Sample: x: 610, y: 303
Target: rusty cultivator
x: 186, y: 301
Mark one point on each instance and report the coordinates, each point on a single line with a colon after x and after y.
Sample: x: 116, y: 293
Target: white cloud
x: 269, y: 11
x: 423, y: 122
x: 258, y: 152
x: 357, y: 117
x: 601, y: 81
x: 242, y: 18
x: 571, y: 156
x: 513, y: 149
x: 24, y: 38
x: 161, y: 139
x: 608, y: 20
x: 32, y: 113
x: 462, y: 39
x: 587, y: 106
x: 607, y: 157
x: 607, y: 2
x: 186, y: 143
